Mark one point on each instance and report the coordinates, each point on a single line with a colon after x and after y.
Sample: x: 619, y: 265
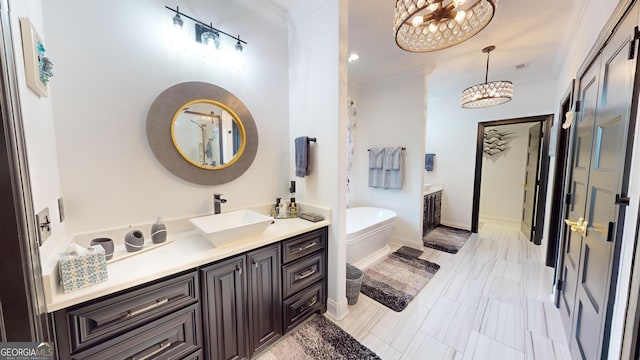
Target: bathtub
x: 368, y: 231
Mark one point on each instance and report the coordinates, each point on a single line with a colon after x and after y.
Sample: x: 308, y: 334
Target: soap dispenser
x: 158, y: 232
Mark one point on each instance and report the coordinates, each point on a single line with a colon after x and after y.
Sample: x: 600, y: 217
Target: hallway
x: 491, y: 300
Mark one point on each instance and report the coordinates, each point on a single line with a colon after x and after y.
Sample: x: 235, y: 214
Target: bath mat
x: 394, y: 280
x: 319, y: 339
x: 446, y: 239
x: 414, y: 253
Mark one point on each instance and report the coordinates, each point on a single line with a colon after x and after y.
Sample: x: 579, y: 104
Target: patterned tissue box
x: 79, y: 271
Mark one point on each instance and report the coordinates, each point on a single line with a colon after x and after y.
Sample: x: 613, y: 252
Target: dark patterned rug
x: 394, y: 280
x: 320, y: 339
x: 446, y: 239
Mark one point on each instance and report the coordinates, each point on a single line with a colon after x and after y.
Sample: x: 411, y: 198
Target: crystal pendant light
x: 489, y: 93
x: 429, y: 25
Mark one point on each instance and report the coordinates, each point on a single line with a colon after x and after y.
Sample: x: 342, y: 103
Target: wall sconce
x: 209, y: 37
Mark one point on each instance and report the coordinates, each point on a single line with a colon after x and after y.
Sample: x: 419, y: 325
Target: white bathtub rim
x: 355, y: 238
x: 389, y: 217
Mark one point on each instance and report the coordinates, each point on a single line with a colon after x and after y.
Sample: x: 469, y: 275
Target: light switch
x: 43, y: 222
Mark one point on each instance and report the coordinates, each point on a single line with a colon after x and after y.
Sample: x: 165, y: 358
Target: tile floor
x: 491, y: 300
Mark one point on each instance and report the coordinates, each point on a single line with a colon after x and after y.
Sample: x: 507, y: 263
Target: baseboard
x: 338, y: 310
x: 457, y: 225
x: 499, y: 220
x: 364, y: 263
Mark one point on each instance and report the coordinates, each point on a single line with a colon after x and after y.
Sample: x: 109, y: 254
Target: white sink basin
x: 231, y: 226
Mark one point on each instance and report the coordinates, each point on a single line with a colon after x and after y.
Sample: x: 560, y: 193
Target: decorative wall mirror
x: 202, y: 133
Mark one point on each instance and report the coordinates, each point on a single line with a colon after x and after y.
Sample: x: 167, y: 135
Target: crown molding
x: 305, y: 8
x: 267, y: 10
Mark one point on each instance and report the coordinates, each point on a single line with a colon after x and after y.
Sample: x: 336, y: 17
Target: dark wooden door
x: 265, y: 297
x: 598, y: 167
x: 224, y: 301
x: 531, y: 181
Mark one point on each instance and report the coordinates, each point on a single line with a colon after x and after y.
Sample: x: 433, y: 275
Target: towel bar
x: 403, y: 148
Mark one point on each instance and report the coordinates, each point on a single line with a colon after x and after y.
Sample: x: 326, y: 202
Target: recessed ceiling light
x: 353, y: 57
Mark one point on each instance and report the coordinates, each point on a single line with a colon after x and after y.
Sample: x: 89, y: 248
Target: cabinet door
x: 224, y: 300
x: 265, y: 300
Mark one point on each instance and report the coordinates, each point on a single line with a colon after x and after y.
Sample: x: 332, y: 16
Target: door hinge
x: 560, y: 285
x: 567, y: 199
x: 632, y: 44
x: 622, y: 200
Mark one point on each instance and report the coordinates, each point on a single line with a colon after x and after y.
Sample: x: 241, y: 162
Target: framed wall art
x: 36, y: 65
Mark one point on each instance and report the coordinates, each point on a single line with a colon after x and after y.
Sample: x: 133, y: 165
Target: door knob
x: 578, y: 226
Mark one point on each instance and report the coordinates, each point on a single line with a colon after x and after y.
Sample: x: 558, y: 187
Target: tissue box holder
x: 79, y: 271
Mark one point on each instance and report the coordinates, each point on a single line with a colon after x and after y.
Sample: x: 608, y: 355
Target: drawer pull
x: 148, y: 353
x: 305, y: 274
x: 308, y: 305
x: 144, y: 309
x: 308, y: 246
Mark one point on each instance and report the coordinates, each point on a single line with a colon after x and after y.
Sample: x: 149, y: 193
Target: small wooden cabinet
x: 432, y: 210
x: 242, y: 304
x: 162, y: 317
x: 304, y: 272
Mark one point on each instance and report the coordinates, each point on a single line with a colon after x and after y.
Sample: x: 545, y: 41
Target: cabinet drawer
x: 302, y: 273
x: 102, y: 320
x: 302, y: 305
x: 303, y: 245
x: 177, y: 336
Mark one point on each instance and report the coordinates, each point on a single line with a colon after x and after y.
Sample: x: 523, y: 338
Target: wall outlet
x: 61, y: 209
x: 43, y: 222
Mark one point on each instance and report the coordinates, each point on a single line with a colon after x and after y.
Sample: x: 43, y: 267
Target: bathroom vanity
x: 204, y: 302
x: 432, y: 208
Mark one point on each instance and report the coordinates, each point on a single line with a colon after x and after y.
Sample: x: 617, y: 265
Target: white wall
x: 318, y: 108
x: 391, y: 113
x: 501, y: 191
x: 451, y: 134
x: 39, y: 128
x: 111, y: 61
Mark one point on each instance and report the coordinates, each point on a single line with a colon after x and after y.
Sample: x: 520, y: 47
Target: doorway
x: 537, y: 171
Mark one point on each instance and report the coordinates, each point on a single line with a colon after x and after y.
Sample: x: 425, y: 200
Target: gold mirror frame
x: 159, y: 128
x: 243, y: 136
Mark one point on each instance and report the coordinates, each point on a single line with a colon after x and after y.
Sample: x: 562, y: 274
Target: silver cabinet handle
x: 144, y: 309
x: 308, y: 246
x: 308, y: 306
x: 305, y: 274
x: 161, y: 346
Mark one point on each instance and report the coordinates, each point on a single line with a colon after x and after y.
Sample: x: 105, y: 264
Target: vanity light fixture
x: 239, y: 46
x: 211, y: 38
x: 206, y: 33
x: 489, y: 93
x: 177, y: 20
x: 429, y: 25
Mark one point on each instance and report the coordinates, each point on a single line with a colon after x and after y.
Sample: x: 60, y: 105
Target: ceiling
x: 535, y: 33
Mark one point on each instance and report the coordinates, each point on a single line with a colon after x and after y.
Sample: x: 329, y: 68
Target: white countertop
x: 187, y: 250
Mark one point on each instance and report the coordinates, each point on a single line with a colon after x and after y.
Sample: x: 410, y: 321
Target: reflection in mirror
x: 208, y: 134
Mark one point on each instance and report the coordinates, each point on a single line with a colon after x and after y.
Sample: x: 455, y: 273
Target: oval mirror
x: 202, y: 133
x: 208, y: 134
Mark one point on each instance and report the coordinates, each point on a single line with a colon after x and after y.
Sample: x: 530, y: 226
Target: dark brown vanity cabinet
x: 432, y: 210
x: 304, y: 273
x: 242, y: 304
x: 231, y: 309
x: 158, y: 320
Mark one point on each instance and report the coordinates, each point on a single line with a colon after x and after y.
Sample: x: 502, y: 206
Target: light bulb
x: 460, y: 16
x: 239, y: 47
x: 417, y: 21
x: 434, y: 7
x: 353, y: 57
x: 211, y: 39
x: 433, y: 27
